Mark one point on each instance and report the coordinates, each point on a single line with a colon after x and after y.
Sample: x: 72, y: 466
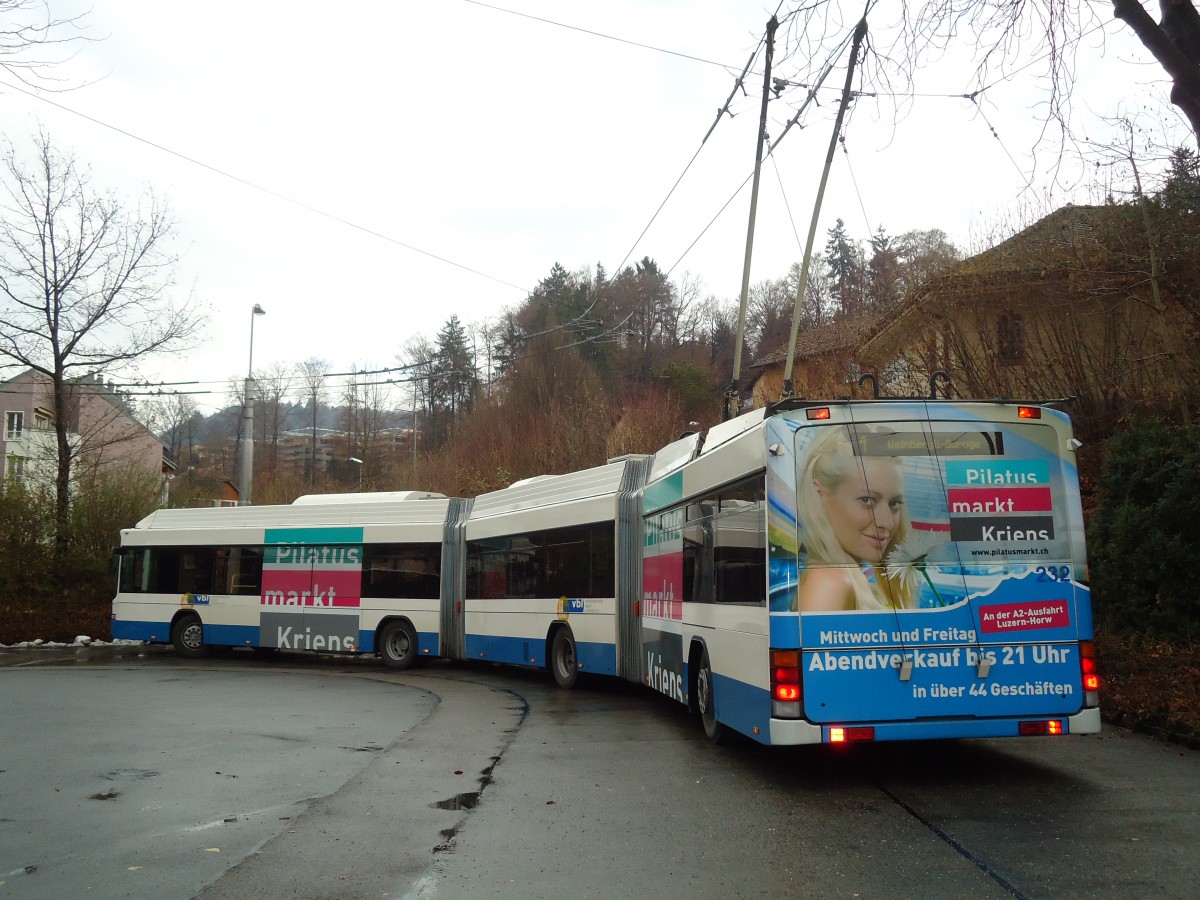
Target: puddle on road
x: 130, y: 774
x: 462, y: 801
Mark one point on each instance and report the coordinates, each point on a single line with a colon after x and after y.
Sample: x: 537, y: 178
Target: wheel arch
x: 388, y: 620
x: 185, y: 613
x: 696, y: 650
x: 555, y: 628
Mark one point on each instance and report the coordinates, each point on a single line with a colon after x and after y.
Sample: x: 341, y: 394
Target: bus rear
x: 927, y: 573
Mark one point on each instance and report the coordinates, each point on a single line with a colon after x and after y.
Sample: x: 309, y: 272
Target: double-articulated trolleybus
x: 805, y: 573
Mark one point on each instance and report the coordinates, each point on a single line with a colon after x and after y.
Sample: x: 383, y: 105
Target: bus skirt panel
x: 592, y: 657
x: 743, y: 707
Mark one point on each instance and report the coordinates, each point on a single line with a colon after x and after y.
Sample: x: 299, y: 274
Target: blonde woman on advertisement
x: 852, y: 515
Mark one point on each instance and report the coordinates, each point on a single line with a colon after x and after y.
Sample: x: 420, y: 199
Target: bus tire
x: 706, y: 703
x: 187, y: 636
x: 564, y: 664
x: 398, y: 645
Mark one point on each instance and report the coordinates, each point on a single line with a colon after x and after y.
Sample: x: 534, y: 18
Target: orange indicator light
x: 839, y: 734
x: 817, y: 413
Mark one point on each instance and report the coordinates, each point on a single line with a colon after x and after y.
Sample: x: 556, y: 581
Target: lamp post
x: 244, y: 489
x: 358, y: 462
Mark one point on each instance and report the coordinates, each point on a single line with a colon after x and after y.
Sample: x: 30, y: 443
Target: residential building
x: 1077, y: 305
x: 103, y: 432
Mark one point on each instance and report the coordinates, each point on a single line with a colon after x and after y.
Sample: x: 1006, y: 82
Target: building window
x: 1010, y: 339
x: 15, y: 468
x: 14, y: 422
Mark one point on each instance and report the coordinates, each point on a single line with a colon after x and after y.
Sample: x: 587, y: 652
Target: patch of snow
x: 80, y: 641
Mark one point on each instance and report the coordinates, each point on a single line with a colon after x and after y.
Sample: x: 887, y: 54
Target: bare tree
x: 84, y: 286
x: 274, y: 384
x: 366, y: 417
x: 170, y: 417
x: 769, y: 315
x: 312, y: 374
x: 1005, y: 36
x: 32, y: 39
x: 418, y: 357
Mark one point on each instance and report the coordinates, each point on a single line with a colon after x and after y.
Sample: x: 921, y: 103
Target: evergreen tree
x: 454, y: 378
x: 1181, y: 194
x: 844, y: 260
x: 883, y: 273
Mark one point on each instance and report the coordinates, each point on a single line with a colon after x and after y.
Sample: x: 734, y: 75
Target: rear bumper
x: 795, y: 731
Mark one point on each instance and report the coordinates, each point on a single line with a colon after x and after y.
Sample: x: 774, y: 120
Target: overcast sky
x: 365, y: 169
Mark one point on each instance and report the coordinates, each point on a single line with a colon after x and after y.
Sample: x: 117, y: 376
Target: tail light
x: 1028, y: 412
x: 787, y: 689
x: 1041, y: 726
x: 1091, y: 676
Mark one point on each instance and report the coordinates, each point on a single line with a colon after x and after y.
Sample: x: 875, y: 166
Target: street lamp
x: 248, y: 420
x: 358, y: 462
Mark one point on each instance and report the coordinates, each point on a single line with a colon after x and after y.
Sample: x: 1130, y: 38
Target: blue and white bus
x: 828, y: 572
x: 804, y: 573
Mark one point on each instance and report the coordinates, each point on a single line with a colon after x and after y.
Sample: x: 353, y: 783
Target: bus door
x: 311, y: 594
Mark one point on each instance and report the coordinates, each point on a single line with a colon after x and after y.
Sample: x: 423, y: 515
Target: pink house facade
x: 106, y: 436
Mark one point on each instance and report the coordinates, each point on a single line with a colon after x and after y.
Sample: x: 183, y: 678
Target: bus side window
x: 740, y: 543
x: 245, y: 567
x: 740, y: 556
x: 698, y: 554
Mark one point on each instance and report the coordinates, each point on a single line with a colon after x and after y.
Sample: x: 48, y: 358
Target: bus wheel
x: 562, y: 659
x: 706, y: 702
x: 398, y: 645
x: 188, y: 637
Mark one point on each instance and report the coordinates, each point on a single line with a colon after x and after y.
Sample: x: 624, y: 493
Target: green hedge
x: 1144, y: 537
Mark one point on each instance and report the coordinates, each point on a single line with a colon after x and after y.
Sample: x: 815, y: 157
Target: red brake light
x: 1087, y: 665
x: 786, y: 676
x: 1029, y: 412
x: 817, y: 413
x: 787, y: 692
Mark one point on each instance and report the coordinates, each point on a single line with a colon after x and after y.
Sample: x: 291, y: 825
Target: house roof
x: 1062, y: 234
x: 1066, y: 233
x: 1039, y: 251
x: 833, y: 337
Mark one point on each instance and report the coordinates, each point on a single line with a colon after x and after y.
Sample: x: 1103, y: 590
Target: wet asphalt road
x: 125, y: 772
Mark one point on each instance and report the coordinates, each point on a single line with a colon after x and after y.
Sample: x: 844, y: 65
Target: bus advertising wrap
x: 925, y: 569
x: 311, y: 589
